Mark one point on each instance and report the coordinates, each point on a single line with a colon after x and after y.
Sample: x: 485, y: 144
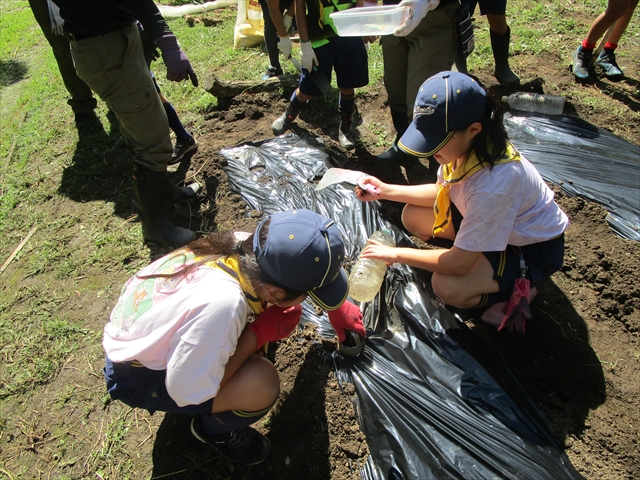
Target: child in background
x: 277, y: 24
x: 618, y: 14
x: 489, y: 201
x: 322, y: 48
x: 180, y: 341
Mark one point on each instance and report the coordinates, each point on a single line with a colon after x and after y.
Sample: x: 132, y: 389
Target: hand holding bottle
x: 379, y: 251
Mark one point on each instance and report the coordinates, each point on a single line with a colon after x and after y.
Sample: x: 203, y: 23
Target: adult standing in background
x: 107, y: 51
x: 500, y: 34
x: 422, y: 47
x: 277, y: 24
x: 81, y: 102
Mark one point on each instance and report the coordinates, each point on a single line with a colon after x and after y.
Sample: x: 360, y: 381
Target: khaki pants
x: 114, y: 67
x: 408, y: 61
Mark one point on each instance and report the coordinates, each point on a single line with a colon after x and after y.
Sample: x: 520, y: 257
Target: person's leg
x: 243, y: 400
x: 395, y: 52
x: 583, y: 56
x: 271, y: 42
x: 131, y: 95
x: 82, y: 100
x: 607, y: 58
x: 500, y: 42
x: 306, y: 90
x: 352, y: 71
x: 465, y: 291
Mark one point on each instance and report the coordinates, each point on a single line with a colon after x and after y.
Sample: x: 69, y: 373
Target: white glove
x: 308, y: 58
x: 287, y: 20
x: 284, y: 45
x: 418, y: 10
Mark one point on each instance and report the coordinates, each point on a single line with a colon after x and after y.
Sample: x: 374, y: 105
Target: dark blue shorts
x: 347, y: 56
x: 542, y: 260
x: 140, y: 387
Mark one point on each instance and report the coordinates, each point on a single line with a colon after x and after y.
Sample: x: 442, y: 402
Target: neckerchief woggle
x: 472, y: 165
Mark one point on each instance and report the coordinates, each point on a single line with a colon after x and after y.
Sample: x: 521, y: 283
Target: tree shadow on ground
x: 552, y: 361
x: 12, y: 71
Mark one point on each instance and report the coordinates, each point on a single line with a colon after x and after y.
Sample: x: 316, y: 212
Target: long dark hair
x: 491, y: 142
x: 222, y: 244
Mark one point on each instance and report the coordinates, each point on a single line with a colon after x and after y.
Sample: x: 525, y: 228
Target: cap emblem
x: 419, y: 110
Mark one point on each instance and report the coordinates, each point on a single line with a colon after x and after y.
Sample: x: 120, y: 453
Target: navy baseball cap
x: 304, y: 251
x: 446, y: 102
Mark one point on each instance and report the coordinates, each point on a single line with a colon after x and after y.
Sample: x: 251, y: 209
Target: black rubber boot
x: 500, y: 47
x: 284, y: 121
x: 176, y: 194
x: 150, y: 191
x: 394, y: 154
x: 344, y: 131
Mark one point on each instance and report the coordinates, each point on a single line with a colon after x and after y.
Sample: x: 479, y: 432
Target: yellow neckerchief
x: 230, y: 265
x: 442, y: 206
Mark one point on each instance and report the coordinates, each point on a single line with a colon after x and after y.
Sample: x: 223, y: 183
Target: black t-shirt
x: 88, y: 18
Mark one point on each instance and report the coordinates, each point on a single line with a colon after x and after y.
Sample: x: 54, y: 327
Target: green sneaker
x: 607, y: 62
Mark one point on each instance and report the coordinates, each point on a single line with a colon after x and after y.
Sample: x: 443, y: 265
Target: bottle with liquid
x: 534, y: 102
x: 367, y: 274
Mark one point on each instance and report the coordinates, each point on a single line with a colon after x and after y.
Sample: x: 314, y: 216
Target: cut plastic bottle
x: 367, y: 274
x: 534, y: 102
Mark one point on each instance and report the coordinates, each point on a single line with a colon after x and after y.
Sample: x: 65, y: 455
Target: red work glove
x: 347, y: 317
x: 178, y: 66
x: 275, y: 323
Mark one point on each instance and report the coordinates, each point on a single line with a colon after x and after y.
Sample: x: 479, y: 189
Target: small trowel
x: 316, y: 75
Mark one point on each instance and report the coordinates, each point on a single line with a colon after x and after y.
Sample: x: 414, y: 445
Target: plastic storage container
x: 534, y: 102
x: 367, y: 274
x: 369, y: 21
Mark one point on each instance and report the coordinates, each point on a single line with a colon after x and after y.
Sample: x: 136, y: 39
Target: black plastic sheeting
x: 432, y: 401
x: 585, y: 161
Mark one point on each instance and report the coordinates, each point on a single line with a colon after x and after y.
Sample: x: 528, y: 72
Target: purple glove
x: 347, y: 317
x: 178, y: 66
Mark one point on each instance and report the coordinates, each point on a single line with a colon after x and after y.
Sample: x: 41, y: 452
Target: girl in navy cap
x: 180, y: 341
x: 489, y: 201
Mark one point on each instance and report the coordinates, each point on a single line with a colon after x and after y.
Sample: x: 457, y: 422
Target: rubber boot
x: 344, y: 131
x: 394, y: 154
x: 500, y: 47
x: 150, y: 191
x: 176, y: 194
x: 284, y: 122
x: 461, y: 64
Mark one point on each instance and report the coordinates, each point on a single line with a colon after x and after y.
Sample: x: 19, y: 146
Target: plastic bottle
x: 534, y: 102
x: 367, y: 274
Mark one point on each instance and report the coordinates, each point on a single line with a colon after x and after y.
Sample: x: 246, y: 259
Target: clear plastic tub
x: 369, y: 21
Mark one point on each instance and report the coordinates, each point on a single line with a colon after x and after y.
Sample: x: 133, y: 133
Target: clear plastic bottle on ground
x: 534, y: 102
x: 367, y: 274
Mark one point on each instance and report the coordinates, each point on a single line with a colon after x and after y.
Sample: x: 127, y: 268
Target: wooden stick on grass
x: 18, y: 248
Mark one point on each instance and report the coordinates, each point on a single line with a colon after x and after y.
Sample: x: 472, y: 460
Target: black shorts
x: 347, y: 56
x: 140, y: 387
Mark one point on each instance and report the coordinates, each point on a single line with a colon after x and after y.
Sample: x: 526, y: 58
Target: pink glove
x: 347, y: 317
x: 275, y: 323
x: 178, y: 66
